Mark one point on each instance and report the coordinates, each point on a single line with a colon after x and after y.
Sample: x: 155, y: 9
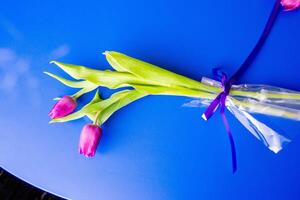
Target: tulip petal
x: 290, y: 4
x: 63, y: 107
x: 79, y: 114
x: 89, y: 140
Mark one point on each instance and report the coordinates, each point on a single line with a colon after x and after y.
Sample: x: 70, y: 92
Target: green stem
x: 252, y: 106
x: 97, y: 119
x: 270, y: 95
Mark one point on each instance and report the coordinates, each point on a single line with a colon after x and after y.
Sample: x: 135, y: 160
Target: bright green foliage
x: 144, y: 79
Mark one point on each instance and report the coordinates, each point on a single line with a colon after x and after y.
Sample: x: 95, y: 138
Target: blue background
x: 154, y: 148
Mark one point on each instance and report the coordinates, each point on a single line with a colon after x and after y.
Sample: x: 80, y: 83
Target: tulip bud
x: 89, y: 139
x: 290, y: 4
x: 63, y: 107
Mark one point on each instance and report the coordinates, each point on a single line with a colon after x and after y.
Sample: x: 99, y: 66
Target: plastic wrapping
x: 247, y: 102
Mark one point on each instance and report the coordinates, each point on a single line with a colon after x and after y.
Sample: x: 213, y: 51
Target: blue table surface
x: 153, y: 148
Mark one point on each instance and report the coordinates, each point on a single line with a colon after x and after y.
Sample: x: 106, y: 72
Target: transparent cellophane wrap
x: 273, y: 129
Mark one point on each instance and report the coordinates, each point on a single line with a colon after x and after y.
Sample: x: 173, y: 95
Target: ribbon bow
x: 227, y: 83
x: 220, y: 100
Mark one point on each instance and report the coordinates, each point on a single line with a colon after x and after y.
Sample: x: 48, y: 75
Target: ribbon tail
x: 226, y: 124
x: 232, y: 145
x: 211, y: 109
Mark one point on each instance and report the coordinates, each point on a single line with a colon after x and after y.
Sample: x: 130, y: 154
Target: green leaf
x: 153, y: 74
x: 131, y: 96
x: 96, y: 98
x: 107, y: 78
x: 73, y: 84
x: 113, y: 104
x: 99, y: 106
x: 175, y: 91
x: 108, y: 106
x: 79, y: 93
x: 84, y: 91
x: 70, y: 117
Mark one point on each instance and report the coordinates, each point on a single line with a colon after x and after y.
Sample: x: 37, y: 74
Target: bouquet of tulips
x: 146, y: 79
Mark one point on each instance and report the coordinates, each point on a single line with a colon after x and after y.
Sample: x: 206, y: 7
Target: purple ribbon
x: 220, y: 100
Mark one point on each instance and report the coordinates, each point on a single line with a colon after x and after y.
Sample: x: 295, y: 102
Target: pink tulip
x: 63, y: 107
x: 89, y: 139
x: 290, y: 4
